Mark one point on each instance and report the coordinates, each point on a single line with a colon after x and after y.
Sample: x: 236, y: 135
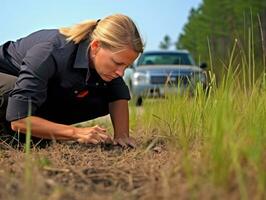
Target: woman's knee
x: 7, y: 83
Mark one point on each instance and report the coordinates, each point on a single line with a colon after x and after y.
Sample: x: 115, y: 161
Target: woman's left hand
x: 125, y: 141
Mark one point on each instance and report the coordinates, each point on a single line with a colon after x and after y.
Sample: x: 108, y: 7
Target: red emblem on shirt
x: 82, y: 94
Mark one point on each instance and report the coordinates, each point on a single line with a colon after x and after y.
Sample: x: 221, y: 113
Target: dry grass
x: 155, y: 170
x: 75, y: 171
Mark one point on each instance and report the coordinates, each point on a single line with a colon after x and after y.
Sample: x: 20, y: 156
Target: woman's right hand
x: 93, y: 135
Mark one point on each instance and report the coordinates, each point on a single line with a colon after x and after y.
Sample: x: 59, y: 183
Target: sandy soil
x: 76, y: 171
x: 156, y: 169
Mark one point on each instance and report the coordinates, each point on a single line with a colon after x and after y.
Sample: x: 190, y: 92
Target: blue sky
x: 154, y: 18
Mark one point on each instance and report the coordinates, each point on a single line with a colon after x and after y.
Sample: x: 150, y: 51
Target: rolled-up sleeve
x: 31, y: 86
x: 117, y: 89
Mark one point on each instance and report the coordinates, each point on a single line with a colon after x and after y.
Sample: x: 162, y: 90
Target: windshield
x: 165, y: 58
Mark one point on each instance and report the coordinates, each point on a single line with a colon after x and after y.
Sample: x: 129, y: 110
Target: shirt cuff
x: 18, y: 109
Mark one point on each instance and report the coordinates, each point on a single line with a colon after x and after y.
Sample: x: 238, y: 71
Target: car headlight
x: 140, y: 78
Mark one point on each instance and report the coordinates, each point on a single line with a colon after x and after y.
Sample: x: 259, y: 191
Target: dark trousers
x: 7, y: 83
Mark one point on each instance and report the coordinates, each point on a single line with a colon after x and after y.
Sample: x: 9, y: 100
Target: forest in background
x: 216, y: 26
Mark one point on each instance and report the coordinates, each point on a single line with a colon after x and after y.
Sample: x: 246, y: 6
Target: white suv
x: 154, y: 70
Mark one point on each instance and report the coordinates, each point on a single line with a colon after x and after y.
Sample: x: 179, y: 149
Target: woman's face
x: 110, y: 65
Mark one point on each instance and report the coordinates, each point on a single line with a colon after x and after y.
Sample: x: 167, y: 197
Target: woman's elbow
x: 17, y: 125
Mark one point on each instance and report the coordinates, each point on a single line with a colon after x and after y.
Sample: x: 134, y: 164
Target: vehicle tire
x: 139, y: 101
x: 130, y: 88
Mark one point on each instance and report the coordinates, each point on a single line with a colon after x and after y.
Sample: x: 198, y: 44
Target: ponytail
x: 115, y: 32
x: 79, y: 32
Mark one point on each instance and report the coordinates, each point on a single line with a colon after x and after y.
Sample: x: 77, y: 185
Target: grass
x: 28, y: 184
x: 213, y: 146
x: 225, y: 127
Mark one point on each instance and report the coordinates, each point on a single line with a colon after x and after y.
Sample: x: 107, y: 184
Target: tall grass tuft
x: 28, y: 163
x: 226, y: 127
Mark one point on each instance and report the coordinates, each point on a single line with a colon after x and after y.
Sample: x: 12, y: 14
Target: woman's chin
x: 107, y: 78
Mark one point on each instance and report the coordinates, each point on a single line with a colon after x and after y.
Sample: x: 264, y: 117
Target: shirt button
x: 104, y: 84
x: 76, y: 92
x: 97, y: 84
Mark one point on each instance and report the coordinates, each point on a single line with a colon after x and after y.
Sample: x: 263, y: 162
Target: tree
x: 215, y: 24
x: 166, y: 43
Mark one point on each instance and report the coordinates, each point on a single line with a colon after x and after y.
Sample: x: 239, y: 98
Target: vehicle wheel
x: 139, y: 101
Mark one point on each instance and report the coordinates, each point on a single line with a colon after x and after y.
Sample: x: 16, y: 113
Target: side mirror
x: 203, y: 65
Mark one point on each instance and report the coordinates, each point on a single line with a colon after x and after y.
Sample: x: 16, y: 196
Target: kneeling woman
x: 68, y: 76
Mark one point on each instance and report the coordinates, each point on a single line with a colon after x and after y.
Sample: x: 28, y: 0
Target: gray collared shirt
x: 54, y: 75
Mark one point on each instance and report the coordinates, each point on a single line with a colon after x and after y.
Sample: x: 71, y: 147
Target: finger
x: 121, y: 143
x: 99, y: 129
x: 81, y: 141
x: 86, y: 141
x: 94, y: 141
x: 109, y: 140
x: 104, y: 136
x: 131, y: 143
x: 97, y: 137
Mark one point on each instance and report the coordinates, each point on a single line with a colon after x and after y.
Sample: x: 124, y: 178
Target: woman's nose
x: 120, y: 71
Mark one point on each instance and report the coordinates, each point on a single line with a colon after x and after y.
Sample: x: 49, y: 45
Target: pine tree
x: 166, y: 43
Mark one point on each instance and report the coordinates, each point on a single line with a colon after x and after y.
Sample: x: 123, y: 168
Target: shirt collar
x: 81, y: 60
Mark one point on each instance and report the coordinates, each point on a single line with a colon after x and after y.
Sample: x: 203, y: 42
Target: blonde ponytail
x: 79, y: 32
x: 115, y: 32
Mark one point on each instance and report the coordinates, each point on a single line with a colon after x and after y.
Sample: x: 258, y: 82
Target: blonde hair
x: 115, y: 32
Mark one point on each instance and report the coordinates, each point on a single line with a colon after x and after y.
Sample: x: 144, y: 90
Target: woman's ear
x: 95, y: 46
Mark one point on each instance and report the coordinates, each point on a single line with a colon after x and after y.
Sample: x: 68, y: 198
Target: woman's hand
x: 125, y: 141
x: 120, y: 118
x: 93, y: 135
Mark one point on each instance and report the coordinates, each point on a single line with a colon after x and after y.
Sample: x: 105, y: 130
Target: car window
x: 165, y: 59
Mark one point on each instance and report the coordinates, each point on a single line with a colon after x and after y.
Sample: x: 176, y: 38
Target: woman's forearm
x: 120, y: 118
x: 45, y: 129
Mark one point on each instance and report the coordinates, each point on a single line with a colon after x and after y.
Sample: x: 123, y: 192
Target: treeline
x: 217, y: 25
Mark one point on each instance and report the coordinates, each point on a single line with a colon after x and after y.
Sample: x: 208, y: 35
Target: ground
x: 77, y: 171
x: 156, y: 169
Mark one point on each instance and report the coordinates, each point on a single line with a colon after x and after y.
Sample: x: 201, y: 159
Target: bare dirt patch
x: 75, y: 171
x: 157, y: 169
